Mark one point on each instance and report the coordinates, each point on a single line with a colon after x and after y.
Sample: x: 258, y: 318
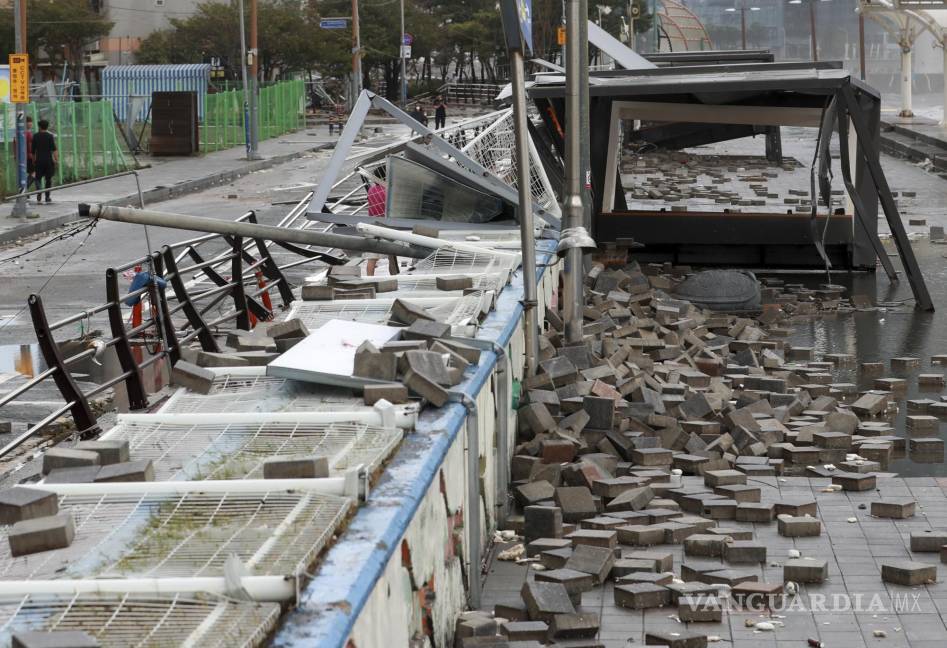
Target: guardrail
x: 253, y: 274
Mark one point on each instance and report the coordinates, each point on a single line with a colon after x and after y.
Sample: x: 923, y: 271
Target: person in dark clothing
x: 418, y: 114
x: 440, y: 113
x: 45, y: 158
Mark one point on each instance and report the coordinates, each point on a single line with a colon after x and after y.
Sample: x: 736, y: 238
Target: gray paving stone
x: 805, y: 570
x: 312, y: 467
x: 640, y: 596
x: 545, y: 600
x: 702, y: 544
x: 110, y: 452
x: 68, y: 458
x: 127, y: 471
x: 597, y: 561
x: 699, y: 609
x: 197, y: 379
x: 584, y: 625
x: 24, y: 503
x: 744, y: 551
x: 928, y: 540
x: 574, y: 581
x: 41, y: 534
x: 906, y: 572
x: 798, y: 527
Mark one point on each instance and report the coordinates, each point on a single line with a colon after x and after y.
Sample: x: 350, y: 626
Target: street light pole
x: 254, y: 76
x: 356, y: 55
x: 572, y: 202
x: 247, y: 128
x: 19, y: 208
x: 861, y: 46
x: 404, y: 74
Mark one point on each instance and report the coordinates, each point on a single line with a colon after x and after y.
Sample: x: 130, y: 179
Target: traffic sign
x: 19, y: 78
x: 635, y: 11
x: 334, y: 23
x: 525, y: 8
x: 517, y: 18
x: 405, y: 51
x: 407, y: 39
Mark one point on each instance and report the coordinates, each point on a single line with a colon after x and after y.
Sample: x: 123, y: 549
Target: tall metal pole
x: 19, y: 208
x: 815, y: 46
x: 517, y: 31
x: 247, y: 128
x: 861, y: 46
x: 254, y: 70
x: 404, y: 74
x: 356, y: 55
x: 585, y: 149
x: 527, y: 236
x: 743, y: 26
x: 572, y: 203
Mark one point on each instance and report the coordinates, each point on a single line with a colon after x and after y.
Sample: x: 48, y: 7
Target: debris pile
x: 653, y: 430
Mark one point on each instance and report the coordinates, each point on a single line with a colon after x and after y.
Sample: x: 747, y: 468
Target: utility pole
x: 248, y: 137
x: 574, y: 237
x: 404, y: 74
x: 861, y: 47
x: 19, y: 207
x: 356, y: 55
x: 515, y: 27
x: 254, y: 72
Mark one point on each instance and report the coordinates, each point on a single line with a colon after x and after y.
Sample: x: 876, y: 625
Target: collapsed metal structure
x: 727, y: 102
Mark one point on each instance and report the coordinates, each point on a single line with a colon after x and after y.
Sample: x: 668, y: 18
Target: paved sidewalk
x: 164, y: 179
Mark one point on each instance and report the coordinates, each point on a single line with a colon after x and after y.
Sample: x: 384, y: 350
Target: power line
x: 58, y: 237
x: 90, y: 227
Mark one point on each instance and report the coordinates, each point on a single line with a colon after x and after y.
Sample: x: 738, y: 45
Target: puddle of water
x: 879, y: 336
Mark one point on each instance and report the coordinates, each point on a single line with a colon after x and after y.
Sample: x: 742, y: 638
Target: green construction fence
x: 281, y: 108
x: 89, y: 143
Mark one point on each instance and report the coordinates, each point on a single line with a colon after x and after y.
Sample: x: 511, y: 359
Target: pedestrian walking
x: 440, y: 113
x: 45, y: 159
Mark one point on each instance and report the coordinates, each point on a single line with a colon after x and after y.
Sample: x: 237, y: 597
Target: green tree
x: 285, y: 39
x: 62, y: 29
x: 58, y: 31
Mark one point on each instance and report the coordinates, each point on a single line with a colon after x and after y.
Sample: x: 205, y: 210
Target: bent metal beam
x: 250, y: 230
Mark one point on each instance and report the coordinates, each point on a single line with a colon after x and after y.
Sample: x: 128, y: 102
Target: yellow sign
x: 19, y: 78
x: 560, y: 35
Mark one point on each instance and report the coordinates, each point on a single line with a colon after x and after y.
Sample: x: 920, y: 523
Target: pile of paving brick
x: 652, y: 431
x: 729, y: 181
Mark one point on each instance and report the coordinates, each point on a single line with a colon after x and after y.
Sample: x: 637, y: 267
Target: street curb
x: 160, y: 194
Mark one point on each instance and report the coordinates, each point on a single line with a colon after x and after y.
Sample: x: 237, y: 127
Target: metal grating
x: 238, y: 450
x: 141, y: 621
x: 495, y: 149
x: 461, y: 261
x: 189, y: 535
